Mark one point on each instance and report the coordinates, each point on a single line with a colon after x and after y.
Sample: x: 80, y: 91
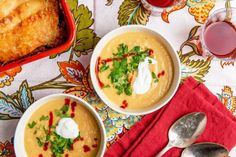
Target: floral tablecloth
x: 68, y: 72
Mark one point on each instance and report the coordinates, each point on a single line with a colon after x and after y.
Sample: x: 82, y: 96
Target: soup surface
x: 135, y: 70
x: 42, y: 140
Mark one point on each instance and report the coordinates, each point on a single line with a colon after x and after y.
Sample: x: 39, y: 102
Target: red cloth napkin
x: 150, y: 135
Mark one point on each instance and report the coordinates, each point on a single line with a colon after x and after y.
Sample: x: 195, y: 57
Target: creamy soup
x: 62, y: 128
x: 134, y: 70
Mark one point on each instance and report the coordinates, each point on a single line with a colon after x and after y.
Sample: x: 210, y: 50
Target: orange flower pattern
x: 7, y: 77
x: 200, y: 9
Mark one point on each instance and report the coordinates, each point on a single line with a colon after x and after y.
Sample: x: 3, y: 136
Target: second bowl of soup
x: 135, y: 70
x: 60, y: 125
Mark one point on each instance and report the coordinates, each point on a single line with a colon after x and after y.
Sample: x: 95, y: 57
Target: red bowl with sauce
x: 70, y: 31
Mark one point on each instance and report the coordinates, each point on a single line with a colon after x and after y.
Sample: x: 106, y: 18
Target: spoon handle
x: 167, y: 147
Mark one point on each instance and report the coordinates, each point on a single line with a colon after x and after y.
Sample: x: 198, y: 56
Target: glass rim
x: 159, y: 9
x: 203, y: 28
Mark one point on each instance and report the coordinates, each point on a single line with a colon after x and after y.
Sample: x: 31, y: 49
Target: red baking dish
x: 71, y: 30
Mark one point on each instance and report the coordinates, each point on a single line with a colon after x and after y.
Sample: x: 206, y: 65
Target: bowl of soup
x: 135, y: 70
x: 60, y: 125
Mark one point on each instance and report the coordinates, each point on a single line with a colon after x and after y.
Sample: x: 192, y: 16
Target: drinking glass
x: 218, y: 35
x: 158, y: 6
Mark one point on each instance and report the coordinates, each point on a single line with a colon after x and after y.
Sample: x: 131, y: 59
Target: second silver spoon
x: 185, y: 131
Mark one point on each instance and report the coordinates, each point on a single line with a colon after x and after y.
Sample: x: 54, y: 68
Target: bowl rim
x: 176, y: 66
x: 19, y: 148
x: 71, y: 32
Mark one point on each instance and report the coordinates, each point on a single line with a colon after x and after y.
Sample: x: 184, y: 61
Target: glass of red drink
x: 218, y: 35
x: 158, y: 6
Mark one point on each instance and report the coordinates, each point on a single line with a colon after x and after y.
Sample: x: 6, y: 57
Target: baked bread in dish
x: 28, y: 26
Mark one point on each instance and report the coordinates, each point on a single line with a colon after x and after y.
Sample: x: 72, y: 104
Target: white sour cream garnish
x: 143, y: 80
x: 67, y: 128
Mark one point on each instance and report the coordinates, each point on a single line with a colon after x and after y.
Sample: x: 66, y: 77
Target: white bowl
x: 176, y: 64
x: 20, y: 130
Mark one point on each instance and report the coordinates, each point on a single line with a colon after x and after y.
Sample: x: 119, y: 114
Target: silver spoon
x: 205, y: 150
x: 185, y: 131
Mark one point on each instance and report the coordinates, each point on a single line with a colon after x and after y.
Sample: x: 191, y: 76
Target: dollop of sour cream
x: 143, y: 80
x: 67, y: 128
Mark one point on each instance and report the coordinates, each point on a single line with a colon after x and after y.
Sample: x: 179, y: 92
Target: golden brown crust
x: 7, y: 6
x: 38, y: 26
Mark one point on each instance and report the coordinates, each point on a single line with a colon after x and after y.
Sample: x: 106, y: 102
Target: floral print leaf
x: 25, y: 96
x: 86, y: 38
x: 77, y: 91
x: 8, y: 108
x: 195, y: 68
x: 193, y: 32
x: 73, y: 4
x: 133, y: 12
x: 193, y: 42
x: 194, y: 48
x: 83, y: 17
x: 109, y: 2
x: 72, y: 71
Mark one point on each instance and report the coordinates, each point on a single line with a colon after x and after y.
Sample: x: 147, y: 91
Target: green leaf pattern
x: 86, y: 38
x: 8, y: 108
x: 133, y: 12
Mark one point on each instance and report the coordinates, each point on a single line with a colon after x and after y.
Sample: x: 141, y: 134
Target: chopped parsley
x: 31, y: 125
x: 121, y: 50
x: 40, y: 143
x: 154, y: 77
x: 59, y: 113
x: 106, y: 86
x: 43, y: 118
x: 104, y: 67
x: 65, y: 108
x: 149, y: 61
x: 122, y: 66
x: 59, y: 145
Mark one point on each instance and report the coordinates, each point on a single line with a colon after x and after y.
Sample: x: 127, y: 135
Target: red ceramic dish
x: 70, y: 28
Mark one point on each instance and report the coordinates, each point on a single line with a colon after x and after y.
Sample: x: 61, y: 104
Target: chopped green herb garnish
x: 35, y: 132
x: 106, y: 86
x: 119, y: 75
x: 121, y: 50
x: 135, y: 49
x: 31, y: 125
x: 103, y: 67
x: 58, y: 113
x: 122, y: 66
x: 135, y: 60
x: 154, y: 77
x: 65, y: 108
x: 40, y: 143
x: 44, y: 118
x: 149, y: 61
x: 128, y: 90
x: 59, y: 145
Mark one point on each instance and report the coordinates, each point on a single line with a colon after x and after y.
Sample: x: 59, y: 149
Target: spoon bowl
x: 185, y: 131
x: 205, y: 150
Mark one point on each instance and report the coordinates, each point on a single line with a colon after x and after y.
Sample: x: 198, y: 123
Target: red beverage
x: 161, y: 3
x: 220, y: 38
